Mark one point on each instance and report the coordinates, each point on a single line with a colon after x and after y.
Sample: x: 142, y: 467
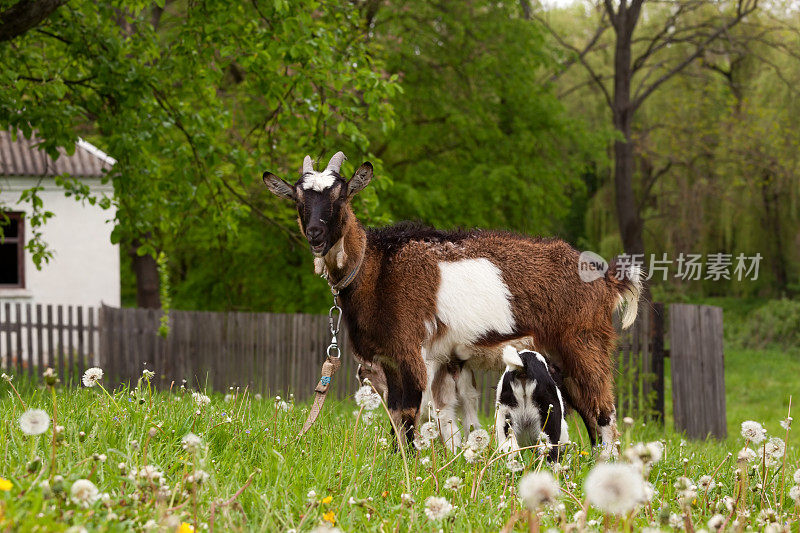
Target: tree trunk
x: 24, y: 15
x: 145, y: 269
x: 629, y: 219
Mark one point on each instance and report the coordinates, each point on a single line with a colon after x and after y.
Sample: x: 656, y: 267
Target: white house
x: 85, y: 267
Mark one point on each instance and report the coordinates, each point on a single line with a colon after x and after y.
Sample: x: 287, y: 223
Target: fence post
x: 698, y: 371
x: 657, y: 336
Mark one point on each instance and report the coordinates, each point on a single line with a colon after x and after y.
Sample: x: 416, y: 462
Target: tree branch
x: 24, y: 15
x: 741, y: 13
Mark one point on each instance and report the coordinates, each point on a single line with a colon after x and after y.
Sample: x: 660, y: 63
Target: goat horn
x: 308, y: 164
x: 336, y: 162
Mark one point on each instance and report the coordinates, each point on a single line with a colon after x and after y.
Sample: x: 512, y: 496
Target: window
x: 12, y: 243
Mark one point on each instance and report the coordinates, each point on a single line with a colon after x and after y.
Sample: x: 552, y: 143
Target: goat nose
x: 314, y: 232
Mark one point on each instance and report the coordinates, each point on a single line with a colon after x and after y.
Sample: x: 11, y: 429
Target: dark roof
x: 22, y: 157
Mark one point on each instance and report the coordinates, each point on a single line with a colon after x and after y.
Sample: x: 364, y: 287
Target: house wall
x: 85, y: 267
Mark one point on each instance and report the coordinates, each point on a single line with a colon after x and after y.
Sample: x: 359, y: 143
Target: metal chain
x: 334, y: 321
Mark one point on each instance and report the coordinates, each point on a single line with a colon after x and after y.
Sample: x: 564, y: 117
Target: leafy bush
x: 777, y: 323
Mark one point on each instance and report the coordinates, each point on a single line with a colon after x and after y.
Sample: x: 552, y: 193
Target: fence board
x: 698, y: 371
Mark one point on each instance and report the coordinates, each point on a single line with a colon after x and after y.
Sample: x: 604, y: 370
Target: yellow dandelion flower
x: 185, y: 528
x: 327, y: 499
x: 5, y: 485
x: 329, y: 517
x: 584, y: 452
x: 384, y: 493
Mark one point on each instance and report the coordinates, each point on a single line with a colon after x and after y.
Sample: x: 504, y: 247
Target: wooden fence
x: 33, y: 337
x: 266, y: 352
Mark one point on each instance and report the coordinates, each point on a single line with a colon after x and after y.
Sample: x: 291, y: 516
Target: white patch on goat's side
x: 318, y: 181
x: 472, y: 300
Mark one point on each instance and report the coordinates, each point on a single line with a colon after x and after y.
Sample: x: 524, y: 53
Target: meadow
x: 181, y: 460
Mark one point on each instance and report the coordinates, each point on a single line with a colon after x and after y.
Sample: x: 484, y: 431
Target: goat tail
x: 511, y: 357
x: 626, y: 279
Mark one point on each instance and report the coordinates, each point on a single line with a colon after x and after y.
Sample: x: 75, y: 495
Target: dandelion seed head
x: 746, y: 454
x: 538, y: 488
x: 148, y: 374
x: 715, y: 522
x: 367, y: 398
x: 84, y: 493
x: 198, y: 476
x: 425, y: 460
x: 6, y: 377
x: 34, y: 422
x: 614, y: 488
x: 257, y: 396
x: 191, y: 442
x: 437, y: 508
x: 515, y: 465
x: 478, y: 440
x: 787, y: 423
x: 92, y: 376
x: 753, y: 431
x: 421, y: 443
x: 794, y: 493
x: 200, y: 399
x: 775, y: 448
x: 470, y: 455
x: 452, y: 483
x: 228, y: 397
x: 282, y: 406
x: 150, y: 473
x: 796, y: 476
x: 429, y: 430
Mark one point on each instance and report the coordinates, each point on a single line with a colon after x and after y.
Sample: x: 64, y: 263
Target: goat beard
x: 335, y: 255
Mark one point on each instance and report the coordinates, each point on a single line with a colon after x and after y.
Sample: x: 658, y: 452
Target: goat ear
x: 360, y: 179
x: 511, y: 357
x: 278, y: 187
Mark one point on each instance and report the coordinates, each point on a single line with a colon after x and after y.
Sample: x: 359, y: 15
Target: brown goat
x: 414, y: 296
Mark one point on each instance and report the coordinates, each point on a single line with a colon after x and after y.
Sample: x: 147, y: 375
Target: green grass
x: 335, y: 459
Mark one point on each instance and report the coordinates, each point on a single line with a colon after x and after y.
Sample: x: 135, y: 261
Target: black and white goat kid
x: 530, y: 404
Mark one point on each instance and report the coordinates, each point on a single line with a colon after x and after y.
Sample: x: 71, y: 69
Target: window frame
x: 19, y: 218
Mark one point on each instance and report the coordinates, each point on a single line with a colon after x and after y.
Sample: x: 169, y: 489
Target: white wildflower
x: 228, y: 397
x: 502, y: 504
x: 198, y: 476
x: 794, y: 493
x: 258, y: 396
x: 383, y: 442
x: 614, y: 488
x: 715, y: 522
x: 6, y: 377
x: 191, y: 442
x: 421, y: 443
x: 538, y: 488
x: 437, y: 508
x: 515, y: 465
x: 92, y: 376
x: 796, y: 476
x: 407, y: 499
x: 775, y: 448
x: 425, y: 460
x: 429, y: 430
x: 746, y: 454
x: 34, y: 422
x: 478, y: 440
x: 150, y: 472
x: 787, y: 423
x: 367, y: 398
x: 368, y: 417
x: 753, y: 431
x: 84, y: 493
x: 706, y: 483
x: 200, y: 399
x: 311, y: 495
x: 452, y: 483
x: 283, y: 406
x: 148, y: 374
x: 676, y: 521
x: 471, y: 455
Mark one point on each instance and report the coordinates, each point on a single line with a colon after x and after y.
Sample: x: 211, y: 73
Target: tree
x: 643, y: 63
x: 194, y: 101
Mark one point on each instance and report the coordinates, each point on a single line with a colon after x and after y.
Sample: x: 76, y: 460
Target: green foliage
x: 775, y: 324
x: 249, y: 448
